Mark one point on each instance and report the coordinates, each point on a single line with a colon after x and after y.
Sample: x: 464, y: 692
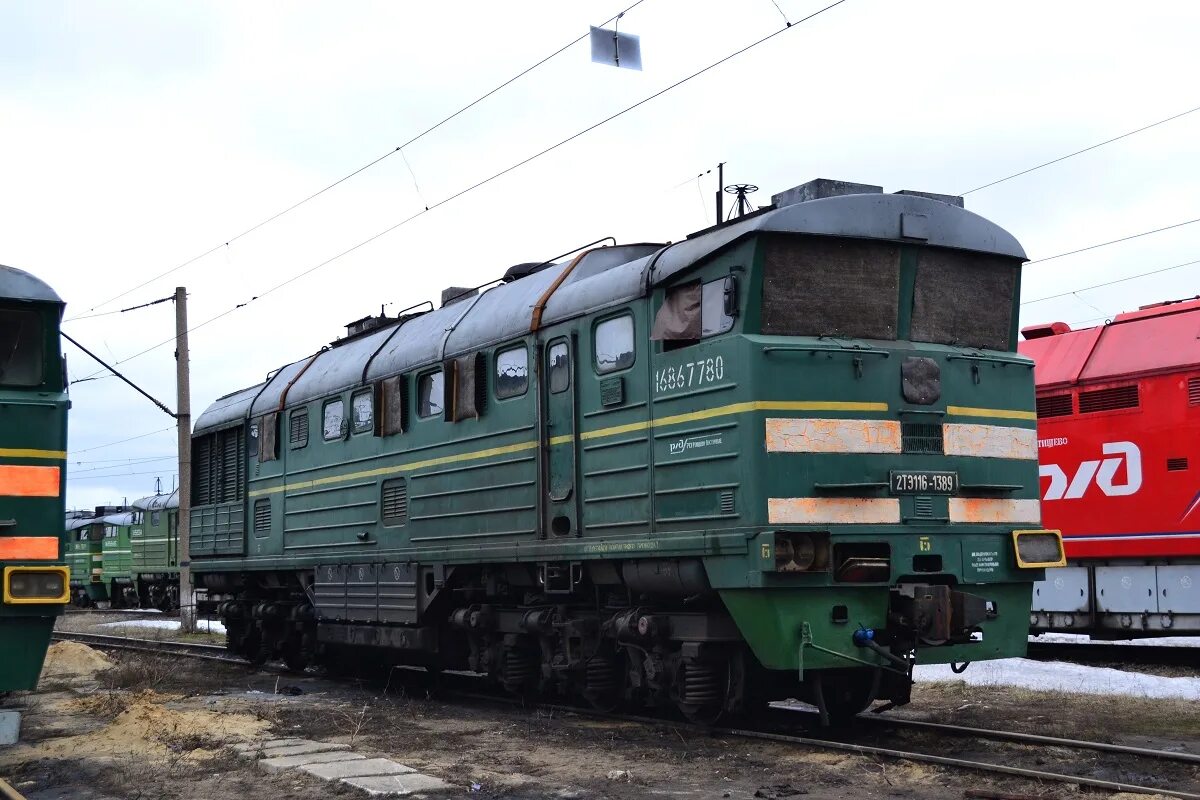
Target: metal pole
x: 720, y: 191
x: 187, y: 601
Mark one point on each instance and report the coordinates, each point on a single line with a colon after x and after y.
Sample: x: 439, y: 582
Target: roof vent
x: 819, y: 189
x: 1048, y: 329
x: 360, y: 326
x: 524, y: 270
x: 948, y: 199
x: 455, y: 294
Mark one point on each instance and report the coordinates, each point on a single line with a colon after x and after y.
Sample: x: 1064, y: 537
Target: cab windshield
x: 20, y: 348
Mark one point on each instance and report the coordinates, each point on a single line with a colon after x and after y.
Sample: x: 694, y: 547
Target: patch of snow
x: 1057, y: 676
x: 202, y: 625
x: 138, y: 610
x: 1083, y: 638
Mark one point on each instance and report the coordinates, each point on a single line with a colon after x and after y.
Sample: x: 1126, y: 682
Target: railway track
x: 782, y: 730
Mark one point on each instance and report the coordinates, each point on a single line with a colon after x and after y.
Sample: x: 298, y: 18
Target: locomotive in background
x: 788, y: 456
x: 1118, y: 410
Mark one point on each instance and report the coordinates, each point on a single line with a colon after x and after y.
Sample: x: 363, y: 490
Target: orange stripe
x: 28, y: 481
x: 28, y: 548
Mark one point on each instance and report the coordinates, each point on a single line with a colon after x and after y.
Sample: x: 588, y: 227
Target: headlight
x: 36, y: 585
x: 801, y: 552
x: 1037, y: 549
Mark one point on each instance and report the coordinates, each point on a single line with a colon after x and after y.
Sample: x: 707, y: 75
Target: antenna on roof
x: 741, y: 205
x: 158, y: 485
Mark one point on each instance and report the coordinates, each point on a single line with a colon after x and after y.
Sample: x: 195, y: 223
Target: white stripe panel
x: 800, y: 435
x: 832, y: 510
x: 980, y: 509
x: 989, y: 441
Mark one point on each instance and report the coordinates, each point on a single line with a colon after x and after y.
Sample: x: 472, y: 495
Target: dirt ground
x: 103, y: 727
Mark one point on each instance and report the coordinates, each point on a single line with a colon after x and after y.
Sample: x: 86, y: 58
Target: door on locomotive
x: 559, y: 433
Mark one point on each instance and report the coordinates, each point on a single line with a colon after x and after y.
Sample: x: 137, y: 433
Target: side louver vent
x: 924, y: 507
x: 1177, y: 464
x: 920, y: 437
x: 727, y: 506
x: 1108, y: 399
x: 1055, y: 405
x: 394, y: 501
x: 1194, y: 391
x: 262, y: 516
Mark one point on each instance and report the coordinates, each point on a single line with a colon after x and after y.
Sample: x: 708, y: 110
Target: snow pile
x: 1056, y: 676
x: 202, y: 625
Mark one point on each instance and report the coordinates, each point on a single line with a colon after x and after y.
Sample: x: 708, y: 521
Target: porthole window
x: 362, y: 407
x: 333, y: 425
x: 431, y: 395
x: 614, y: 344
x: 559, y: 359
x: 512, y: 372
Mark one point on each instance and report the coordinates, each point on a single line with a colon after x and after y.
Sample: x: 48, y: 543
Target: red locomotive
x: 1119, y: 447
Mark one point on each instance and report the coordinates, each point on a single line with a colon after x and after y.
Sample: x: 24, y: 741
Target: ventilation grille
x: 920, y: 437
x: 298, y: 428
x: 1108, y: 399
x: 1177, y: 464
x: 923, y: 507
x: 395, y: 501
x: 1194, y: 391
x: 262, y: 516
x: 727, y: 503
x: 1055, y: 405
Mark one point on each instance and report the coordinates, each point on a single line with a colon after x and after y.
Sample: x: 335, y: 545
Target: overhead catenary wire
x: 357, y: 171
x: 485, y: 181
x: 121, y: 441
x: 159, y: 473
x: 1112, y: 282
x: 1101, y: 244
x: 1081, y: 152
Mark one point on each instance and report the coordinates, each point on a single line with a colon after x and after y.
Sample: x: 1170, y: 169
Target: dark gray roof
x: 862, y: 216
x: 604, y: 277
x: 16, y: 284
x: 157, y: 502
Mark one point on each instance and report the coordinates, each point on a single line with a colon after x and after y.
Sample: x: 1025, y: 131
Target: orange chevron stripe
x: 20, y: 481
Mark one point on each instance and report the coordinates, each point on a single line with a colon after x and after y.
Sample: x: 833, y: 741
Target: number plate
x: 908, y: 481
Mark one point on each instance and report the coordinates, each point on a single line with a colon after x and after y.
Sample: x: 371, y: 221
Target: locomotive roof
x: 123, y: 518
x: 157, y: 502
x: 16, y: 284
x: 1160, y: 338
x: 75, y: 523
x: 603, y: 277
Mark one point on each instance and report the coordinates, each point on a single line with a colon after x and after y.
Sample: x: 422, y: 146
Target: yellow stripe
x: 54, y: 455
x: 999, y: 413
x: 708, y: 413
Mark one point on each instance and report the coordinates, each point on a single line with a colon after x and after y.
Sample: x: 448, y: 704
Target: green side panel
x: 218, y: 530
x: 118, y: 555
x: 25, y: 640
x: 1004, y: 636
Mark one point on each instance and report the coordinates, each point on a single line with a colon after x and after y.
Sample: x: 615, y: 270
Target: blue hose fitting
x: 864, y: 637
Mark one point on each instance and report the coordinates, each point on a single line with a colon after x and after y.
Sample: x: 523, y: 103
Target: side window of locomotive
x: 20, y: 348
x: 298, y: 429
x: 614, y: 344
x: 362, y: 407
x: 559, y: 359
x: 715, y: 305
x: 333, y: 416
x: 512, y: 372
x: 155, y: 518
x: 430, y: 394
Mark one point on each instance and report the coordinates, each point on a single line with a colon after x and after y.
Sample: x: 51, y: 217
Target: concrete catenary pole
x: 187, y: 600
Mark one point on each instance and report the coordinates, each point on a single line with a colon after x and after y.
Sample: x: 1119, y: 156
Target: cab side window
x: 512, y: 372
x: 431, y: 394
x: 333, y: 425
x: 614, y: 344
x: 21, y: 337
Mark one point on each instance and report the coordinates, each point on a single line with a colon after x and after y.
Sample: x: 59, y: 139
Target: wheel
x: 842, y: 694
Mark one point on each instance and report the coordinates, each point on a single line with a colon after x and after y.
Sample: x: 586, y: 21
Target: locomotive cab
x: 35, y: 584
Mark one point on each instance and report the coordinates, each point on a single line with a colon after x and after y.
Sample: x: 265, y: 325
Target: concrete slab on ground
x: 400, y: 784
x: 295, y: 750
x: 357, y: 769
x: 324, y: 757
x: 247, y: 747
x: 10, y: 727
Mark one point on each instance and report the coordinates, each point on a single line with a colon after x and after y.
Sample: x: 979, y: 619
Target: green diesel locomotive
x: 33, y: 444
x: 789, y: 456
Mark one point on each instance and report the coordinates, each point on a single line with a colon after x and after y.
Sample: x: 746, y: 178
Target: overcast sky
x: 136, y: 135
